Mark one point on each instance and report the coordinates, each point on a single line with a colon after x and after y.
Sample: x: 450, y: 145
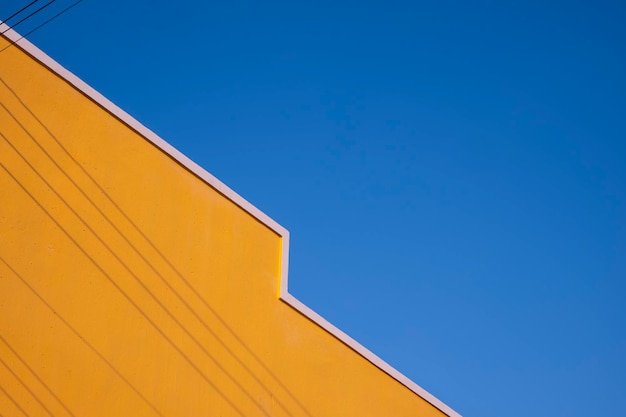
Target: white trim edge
x: 222, y: 188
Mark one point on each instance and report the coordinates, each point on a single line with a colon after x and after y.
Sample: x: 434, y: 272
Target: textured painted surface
x: 128, y: 286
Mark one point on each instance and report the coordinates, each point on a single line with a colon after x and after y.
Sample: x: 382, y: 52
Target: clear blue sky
x: 453, y: 174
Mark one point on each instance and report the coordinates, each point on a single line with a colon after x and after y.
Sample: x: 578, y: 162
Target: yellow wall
x: 129, y: 287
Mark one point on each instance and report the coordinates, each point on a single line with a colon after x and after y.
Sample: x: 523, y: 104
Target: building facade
x: 134, y: 283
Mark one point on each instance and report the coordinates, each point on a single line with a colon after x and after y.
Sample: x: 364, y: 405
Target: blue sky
x: 452, y: 174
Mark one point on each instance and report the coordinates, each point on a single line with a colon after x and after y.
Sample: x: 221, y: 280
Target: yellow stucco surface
x: 130, y: 287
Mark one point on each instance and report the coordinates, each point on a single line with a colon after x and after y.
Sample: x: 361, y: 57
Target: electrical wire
x: 41, y: 25
x: 19, y: 11
x: 29, y: 16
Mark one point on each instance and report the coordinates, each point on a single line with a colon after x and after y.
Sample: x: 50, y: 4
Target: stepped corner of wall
x: 281, y: 232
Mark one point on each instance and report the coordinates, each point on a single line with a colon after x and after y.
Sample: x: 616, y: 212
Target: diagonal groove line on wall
x: 71, y: 328
x: 28, y: 367
x: 153, y: 268
x: 26, y: 387
x: 161, y: 255
x: 134, y: 275
x: 126, y: 296
x: 118, y: 373
x: 13, y: 401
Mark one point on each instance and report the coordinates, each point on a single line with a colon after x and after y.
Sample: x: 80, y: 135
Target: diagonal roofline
x: 22, y: 43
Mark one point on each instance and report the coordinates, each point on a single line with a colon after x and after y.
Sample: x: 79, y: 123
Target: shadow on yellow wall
x: 130, y: 286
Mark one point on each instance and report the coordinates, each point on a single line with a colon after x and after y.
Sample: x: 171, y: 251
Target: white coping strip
x: 212, y: 181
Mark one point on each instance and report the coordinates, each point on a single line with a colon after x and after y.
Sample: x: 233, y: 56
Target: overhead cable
x: 41, y: 25
x: 19, y: 11
x: 29, y: 16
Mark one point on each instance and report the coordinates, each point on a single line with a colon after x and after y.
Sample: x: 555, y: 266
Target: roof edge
x: 25, y: 45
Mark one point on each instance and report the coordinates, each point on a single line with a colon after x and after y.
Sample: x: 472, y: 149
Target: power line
x: 29, y: 16
x: 19, y: 11
x: 41, y: 25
